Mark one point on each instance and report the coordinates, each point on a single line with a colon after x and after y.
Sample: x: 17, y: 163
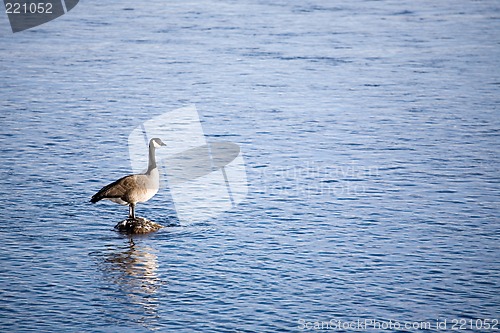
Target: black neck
x: 152, y: 160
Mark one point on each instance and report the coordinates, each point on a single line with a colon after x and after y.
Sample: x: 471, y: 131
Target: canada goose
x: 132, y: 189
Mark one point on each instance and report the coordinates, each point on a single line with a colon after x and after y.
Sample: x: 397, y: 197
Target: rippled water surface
x: 370, y: 132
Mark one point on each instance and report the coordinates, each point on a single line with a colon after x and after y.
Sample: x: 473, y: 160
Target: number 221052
x: 486, y: 324
x: 28, y: 8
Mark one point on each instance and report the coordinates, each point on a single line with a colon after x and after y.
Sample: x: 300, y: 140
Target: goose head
x: 156, y: 142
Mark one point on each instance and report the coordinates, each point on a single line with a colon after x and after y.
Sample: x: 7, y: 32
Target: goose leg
x: 131, y: 211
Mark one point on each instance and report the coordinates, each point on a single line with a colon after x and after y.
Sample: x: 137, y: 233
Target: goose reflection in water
x: 134, y: 270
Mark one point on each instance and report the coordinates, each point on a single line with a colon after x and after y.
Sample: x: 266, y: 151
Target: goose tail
x: 97, y: 197
x: 114, y: 190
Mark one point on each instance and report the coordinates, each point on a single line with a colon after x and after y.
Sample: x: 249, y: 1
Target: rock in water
x: 139, y: 225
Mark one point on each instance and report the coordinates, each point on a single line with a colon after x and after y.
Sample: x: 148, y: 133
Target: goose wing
x: 117, y: 189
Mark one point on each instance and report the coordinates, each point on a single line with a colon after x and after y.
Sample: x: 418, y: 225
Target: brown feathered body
x: 130, y: 189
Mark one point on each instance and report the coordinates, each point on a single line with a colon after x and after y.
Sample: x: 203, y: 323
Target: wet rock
x: 139, y: 225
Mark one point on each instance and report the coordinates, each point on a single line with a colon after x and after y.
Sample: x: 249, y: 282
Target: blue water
x: 370, y: 132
